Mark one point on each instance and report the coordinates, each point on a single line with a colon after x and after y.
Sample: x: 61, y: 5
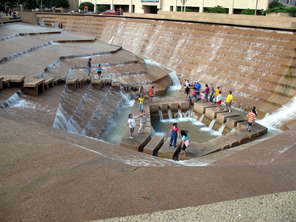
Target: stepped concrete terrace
x: 56, y: 164
x: 256, y: 64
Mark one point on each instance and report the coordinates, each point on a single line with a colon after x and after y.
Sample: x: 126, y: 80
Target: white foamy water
x: 173, y: 75
x: 280, y: 116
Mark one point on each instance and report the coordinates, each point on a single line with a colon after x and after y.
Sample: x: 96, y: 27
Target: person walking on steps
x: 174, y: 135
x: 131, y: 125
x: 89, y: 66
x: 251, y: 117
x: 228, y: 101
x: 183, y: 145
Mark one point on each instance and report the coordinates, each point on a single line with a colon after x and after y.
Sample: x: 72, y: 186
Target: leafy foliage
x: 217, y: 9
x: 89, y: 4
x: 102, y: 8
x: 248, y: 12
x: 276, y: 6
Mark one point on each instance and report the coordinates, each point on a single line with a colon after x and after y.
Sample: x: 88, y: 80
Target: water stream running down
x: 94, y: 113
x: 280, y: 116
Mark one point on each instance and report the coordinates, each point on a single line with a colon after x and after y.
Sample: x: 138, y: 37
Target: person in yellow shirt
x: 228, y: 101
x: 141, y: 102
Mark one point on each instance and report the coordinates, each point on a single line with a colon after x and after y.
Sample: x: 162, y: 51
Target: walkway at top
x: 266, y: 22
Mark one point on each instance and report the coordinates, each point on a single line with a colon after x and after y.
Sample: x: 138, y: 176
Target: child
x: 99, y: 70
x: 251, y: 117
x: 183, y: 145
x: 174, y: 135
x: 131, y: 125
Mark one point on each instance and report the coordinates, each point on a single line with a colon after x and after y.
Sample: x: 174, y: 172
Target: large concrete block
x: 232, y: 121
x: 153, y: 108
x: 154, y: 145
x: 184, y: 106
x: 212, y: 112
x: 174, y: 107
x: 222, y: 117
x: 201, y: 107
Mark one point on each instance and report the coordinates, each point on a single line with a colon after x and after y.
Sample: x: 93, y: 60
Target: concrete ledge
x: 154, y: 145
x: 34, y: 87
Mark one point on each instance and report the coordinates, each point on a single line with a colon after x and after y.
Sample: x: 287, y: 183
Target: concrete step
x: 154, y: 145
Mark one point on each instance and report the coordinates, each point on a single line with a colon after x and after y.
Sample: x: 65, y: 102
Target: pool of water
x: 197, y: 131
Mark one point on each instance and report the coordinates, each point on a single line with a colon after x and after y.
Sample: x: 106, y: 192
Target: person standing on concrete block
x: 228, y: 101
x: 251, y: 117
x: 212, y: 95
x: 99, y: 71
x: 174, y: 135
x: 219, y: 100
x: 187, y: 88
x: 143, y: 119
x: 151, y: 93
x: 183, y: 145
x: 89, y: 66
x: 207, y: 93
x: 141, y: 101
x: 131, y: 125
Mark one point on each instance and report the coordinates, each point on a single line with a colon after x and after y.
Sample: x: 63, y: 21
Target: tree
x: 88, y: 4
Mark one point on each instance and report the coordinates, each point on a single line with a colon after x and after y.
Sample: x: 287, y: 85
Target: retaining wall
x: 258, y: 65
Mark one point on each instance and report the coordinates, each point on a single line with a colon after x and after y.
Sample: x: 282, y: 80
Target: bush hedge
x: 89, y: 4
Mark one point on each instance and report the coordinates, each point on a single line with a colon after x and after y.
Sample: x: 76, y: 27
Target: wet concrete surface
x: 51, y: 175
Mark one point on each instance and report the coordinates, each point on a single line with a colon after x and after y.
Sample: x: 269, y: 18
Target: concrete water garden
x: 63, y: 134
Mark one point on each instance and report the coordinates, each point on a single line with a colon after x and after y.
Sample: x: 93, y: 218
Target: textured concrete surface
x: 270, y: 208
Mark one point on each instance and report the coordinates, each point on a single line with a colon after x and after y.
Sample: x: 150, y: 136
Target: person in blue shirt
x: 197, y: 87
x: 99, y: 70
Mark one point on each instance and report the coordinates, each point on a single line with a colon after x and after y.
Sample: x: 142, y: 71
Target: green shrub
x: 248, y: 12
x: 102, y: 8
x: 276, y: 7
x: 217, y: 9
x: 89, y: 4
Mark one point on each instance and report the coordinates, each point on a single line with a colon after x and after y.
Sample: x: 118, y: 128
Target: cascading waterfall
x: 170, y: 114
x: 212, y: 123
x: 280, y: 116
x: 88, y: 117
x: 221, y: 129
x: 160, y: 114
x: 176, y: 82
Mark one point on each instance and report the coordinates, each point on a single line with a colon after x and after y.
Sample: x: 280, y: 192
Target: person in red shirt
x: 151, y: 93
x: 174, y: 135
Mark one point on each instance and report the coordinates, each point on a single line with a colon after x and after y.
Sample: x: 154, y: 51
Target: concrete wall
x: 28, y: 17
x: 258, y: 65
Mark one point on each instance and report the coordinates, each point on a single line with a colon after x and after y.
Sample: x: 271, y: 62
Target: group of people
x: 174, y: 133
x: 142, y: 116
x: 207, y: 94
x: 141, y: 97
x: 99, y: 68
